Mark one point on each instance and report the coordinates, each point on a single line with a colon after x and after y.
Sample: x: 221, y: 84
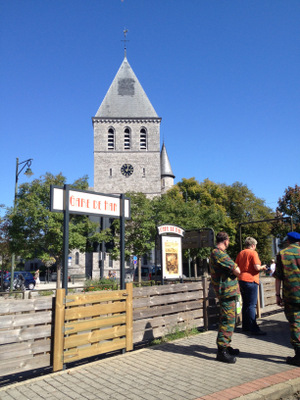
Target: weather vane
x: 125, y: 31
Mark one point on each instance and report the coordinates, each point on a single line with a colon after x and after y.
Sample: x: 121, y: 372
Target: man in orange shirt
x: 250, y: 266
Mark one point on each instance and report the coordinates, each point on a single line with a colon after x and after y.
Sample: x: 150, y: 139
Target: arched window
x: 111, y: 139
x: 126, y: 139
x: 77, y: 258
x: 143, y: 139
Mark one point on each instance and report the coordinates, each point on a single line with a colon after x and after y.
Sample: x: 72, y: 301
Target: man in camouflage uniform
x: 224, y: 273
x: 288, y: 272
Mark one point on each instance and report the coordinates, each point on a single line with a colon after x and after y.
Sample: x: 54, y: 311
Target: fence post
x: 59, y: 330
x: 129, y: 317
x: 205, y: 302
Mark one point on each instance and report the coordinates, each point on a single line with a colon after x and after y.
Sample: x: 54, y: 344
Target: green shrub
x: 101, y: 284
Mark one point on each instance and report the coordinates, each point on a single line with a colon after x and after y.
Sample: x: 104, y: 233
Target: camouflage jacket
x: 225, y: 284
x: 288, y: 271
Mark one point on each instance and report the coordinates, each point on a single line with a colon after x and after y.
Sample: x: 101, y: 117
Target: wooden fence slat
x: 95, y: 323
x: 21, y: 334
x: 94, y: 336
x: 94, y: 349
x: 17, y: 350
x: 94, y: 310
x: 22, y: 364
x: 167, y: 299
x: 169, y: 320
x: 166, y: 309
x: 13, y: 321
x: 94, y: 297
x: 17, y: 306
x: 164, y: 289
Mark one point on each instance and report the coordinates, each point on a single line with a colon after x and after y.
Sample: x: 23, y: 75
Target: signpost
x: 66, y: 200
x: 198, y: 239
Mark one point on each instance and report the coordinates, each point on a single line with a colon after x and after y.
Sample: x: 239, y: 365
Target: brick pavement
x: 184, y: 369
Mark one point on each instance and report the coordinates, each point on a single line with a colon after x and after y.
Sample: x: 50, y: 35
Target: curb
x: 274, y: 392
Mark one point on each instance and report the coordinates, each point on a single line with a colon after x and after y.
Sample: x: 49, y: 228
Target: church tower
x: 127, y: 139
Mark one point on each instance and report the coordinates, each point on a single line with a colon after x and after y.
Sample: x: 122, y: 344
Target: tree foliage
x: 288, y: 206
x: 36, y: 232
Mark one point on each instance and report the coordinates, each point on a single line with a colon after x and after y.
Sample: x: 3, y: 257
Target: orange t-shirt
x: 246, y: 260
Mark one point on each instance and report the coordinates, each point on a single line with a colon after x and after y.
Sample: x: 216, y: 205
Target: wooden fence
x: 91, y: 324
x: 27, y: 335
x: 159, y: 310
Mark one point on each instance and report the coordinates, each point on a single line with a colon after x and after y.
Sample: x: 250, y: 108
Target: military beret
x: 294, y: 236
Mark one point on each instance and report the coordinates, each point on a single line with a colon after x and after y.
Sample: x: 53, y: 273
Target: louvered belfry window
x: 143, y: 139
x: 127, y: 139
x: 111, y: 139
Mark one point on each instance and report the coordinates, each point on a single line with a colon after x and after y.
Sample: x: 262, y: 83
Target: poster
x: 171, y: 257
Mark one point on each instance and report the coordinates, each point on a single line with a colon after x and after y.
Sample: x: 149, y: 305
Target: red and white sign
x: 170, y: 229
x: 81, y: 202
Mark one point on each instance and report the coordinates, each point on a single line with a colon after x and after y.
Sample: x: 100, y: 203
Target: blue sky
x: 223, y: 75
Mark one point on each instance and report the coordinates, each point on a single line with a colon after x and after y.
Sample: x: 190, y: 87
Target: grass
x: 175, y: 334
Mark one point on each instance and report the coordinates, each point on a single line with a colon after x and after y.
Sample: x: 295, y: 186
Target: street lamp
x: 28, y: 172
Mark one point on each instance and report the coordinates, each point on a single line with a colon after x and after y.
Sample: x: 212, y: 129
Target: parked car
x: 29, y: 279
x: 147, y: 273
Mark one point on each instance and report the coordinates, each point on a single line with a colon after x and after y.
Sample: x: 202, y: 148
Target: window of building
x: 127, y: 139
x: 144, y: 172
x: 143, y: 139
x: 111, y: 139
x: 77, y: 258
x: 145, y: 259
x: 110, y: 261
x: 110, y: 172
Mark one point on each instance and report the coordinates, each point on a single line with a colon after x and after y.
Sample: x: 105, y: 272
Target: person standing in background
x: 272, y: 267
x: 224, y: 272
x: 250, y: 266
x: 288, y: 272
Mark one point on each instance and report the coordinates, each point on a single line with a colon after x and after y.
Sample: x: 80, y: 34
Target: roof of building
x: 166, y: 169
x: 126, y: 97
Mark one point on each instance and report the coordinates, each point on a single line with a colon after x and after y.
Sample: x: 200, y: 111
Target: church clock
x: 126, y: 170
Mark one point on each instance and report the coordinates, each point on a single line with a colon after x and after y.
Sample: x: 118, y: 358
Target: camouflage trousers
x: 292, y: 313
x: 226, y: 322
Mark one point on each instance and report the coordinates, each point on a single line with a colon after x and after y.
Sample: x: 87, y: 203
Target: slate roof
x: 126, y: 97
x: 165, y: 165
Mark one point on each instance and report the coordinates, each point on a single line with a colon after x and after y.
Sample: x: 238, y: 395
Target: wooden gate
x: 90, y: 324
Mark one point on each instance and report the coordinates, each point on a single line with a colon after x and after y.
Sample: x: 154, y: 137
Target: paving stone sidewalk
x: 184, y: 369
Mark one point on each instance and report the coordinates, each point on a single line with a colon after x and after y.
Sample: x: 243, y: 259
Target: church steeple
x: 167, y: 176
x: 126, y: 97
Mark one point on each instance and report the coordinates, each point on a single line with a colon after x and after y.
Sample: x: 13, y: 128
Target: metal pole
x: 13, y: 254
x: 122, y: 243
x: 66, y: 238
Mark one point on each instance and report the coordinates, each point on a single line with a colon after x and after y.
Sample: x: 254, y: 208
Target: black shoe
x: 258, y: 332
x: 233, y: 352
x: 224, y: 356
x: 293, y: 360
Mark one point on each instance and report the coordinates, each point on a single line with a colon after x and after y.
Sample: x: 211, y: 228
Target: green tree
x: 288, y: 206
x: 242, y: 206
x: 36, y: 232
x: 5, y: 253
x: 140, y: 230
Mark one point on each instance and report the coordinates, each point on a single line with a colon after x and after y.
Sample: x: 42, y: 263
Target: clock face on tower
x: 126, y: 170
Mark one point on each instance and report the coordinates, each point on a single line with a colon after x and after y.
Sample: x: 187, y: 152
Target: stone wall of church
x: 108, y: 163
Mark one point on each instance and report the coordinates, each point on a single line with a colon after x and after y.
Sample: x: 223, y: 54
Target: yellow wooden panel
x: 93, y: 350
x: 95, y: 297
x: 95, y: 323
x: 95, y: 310
x: 94, y: 336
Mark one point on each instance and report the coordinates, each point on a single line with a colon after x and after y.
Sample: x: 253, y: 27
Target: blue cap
x: 295, y: 236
